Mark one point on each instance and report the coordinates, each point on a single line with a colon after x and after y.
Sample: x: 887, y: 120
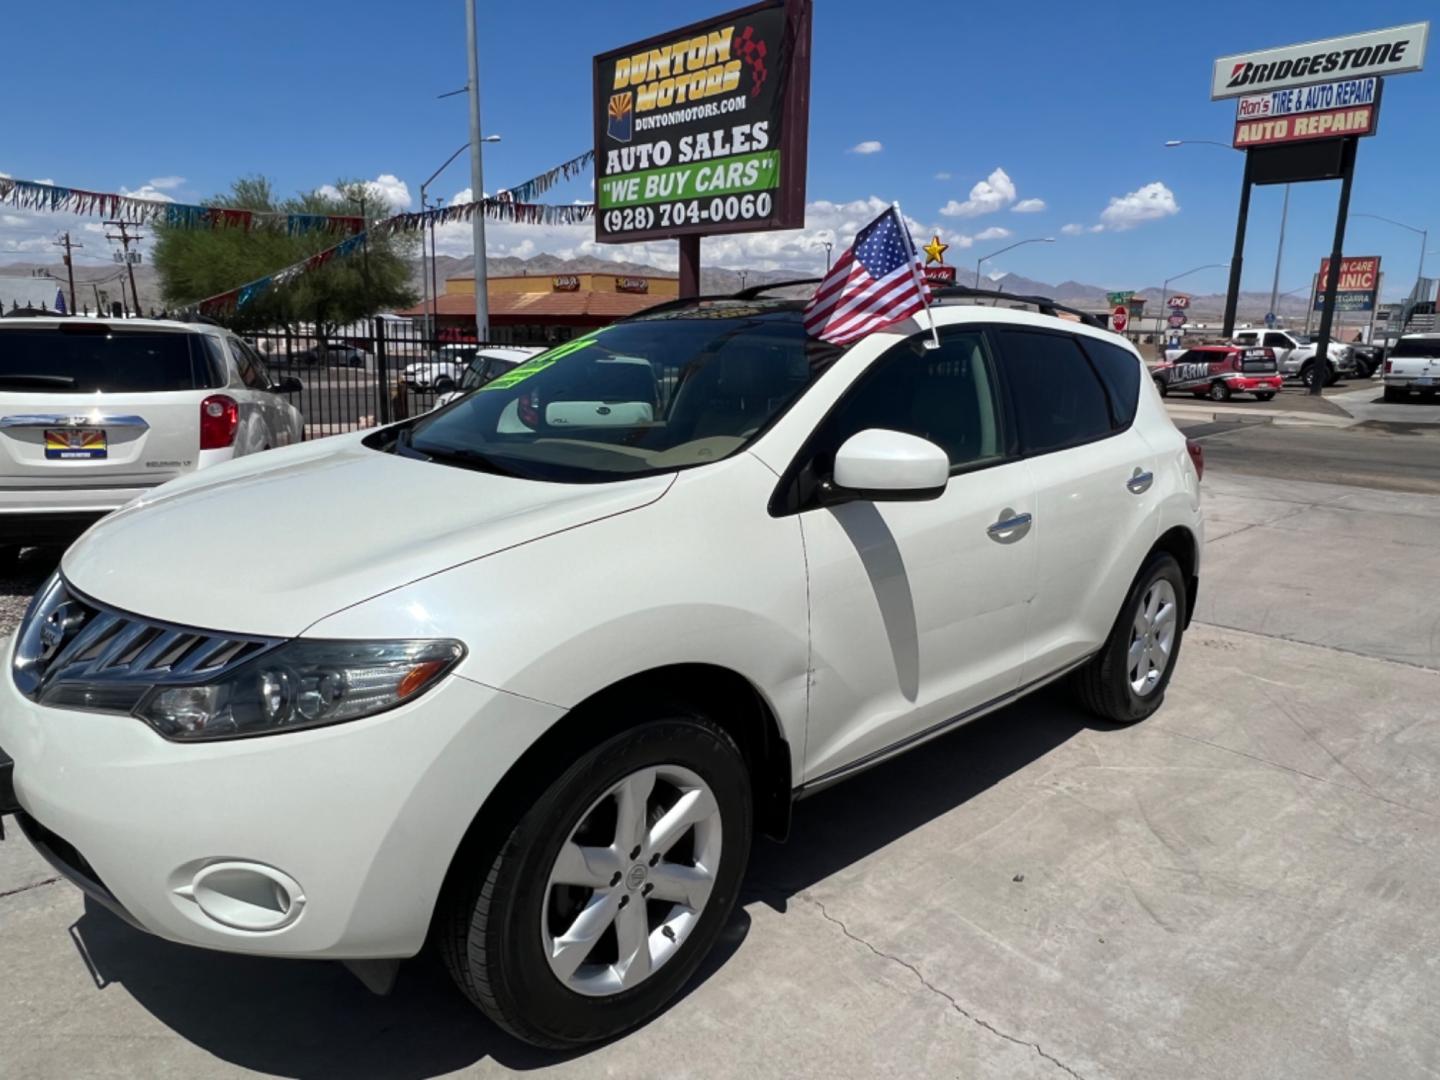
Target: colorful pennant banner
x: 30, y: 195
x: 251, y: 291
x: 538, y: 185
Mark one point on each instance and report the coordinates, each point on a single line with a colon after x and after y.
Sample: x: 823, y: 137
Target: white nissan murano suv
x: 535, y: 667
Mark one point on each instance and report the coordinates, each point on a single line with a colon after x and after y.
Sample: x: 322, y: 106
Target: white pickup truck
x: 1295, y: 354
x: 1413, y: 364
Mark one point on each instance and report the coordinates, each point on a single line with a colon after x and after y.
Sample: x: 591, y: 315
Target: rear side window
x: 88, y: 357
x: 1416, y: 347
x: 1059, y: 400
x: 1120, y: 372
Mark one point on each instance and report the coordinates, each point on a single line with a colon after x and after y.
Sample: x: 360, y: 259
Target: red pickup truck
x: 1219, y: 371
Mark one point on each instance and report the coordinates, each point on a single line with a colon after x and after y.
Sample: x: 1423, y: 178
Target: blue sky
x: 1072, y: 104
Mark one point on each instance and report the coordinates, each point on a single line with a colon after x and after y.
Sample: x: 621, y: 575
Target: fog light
x: 245, y: 896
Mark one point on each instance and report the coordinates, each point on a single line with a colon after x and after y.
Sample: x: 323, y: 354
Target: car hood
x: 272, y: 543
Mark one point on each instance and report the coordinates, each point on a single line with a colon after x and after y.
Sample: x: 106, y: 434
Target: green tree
x: 193, y: 264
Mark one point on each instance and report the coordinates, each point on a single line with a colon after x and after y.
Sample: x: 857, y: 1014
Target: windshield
x: 83, y: 358
x: 678, y: 389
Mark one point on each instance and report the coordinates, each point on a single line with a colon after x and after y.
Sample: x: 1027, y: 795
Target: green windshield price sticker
x: 539, y: 363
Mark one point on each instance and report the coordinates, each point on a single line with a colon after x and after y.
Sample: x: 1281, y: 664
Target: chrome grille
x: 75, y: 652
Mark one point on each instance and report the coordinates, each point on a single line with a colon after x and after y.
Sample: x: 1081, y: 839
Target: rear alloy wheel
x: 610, y: 890
x: 1219, y: 390
x: 1126, y: 680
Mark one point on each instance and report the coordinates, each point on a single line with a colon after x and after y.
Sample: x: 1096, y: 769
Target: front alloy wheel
x: 631, y: 882
x: 587, y: 915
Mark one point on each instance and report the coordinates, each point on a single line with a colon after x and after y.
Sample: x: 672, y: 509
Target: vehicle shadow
x: 310, y: 1018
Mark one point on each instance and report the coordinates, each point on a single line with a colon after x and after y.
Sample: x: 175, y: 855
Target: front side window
x: 945, y: 395
x: 677, y: 389
x: 1276, y: 341
x: 1059, y: 400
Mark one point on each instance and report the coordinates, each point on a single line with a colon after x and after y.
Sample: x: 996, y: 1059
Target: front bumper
x: 363, y: 816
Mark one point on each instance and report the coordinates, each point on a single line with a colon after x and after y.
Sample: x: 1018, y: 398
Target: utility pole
x: 125, y: 240
x: 477, y: 182
x: 69, y: 266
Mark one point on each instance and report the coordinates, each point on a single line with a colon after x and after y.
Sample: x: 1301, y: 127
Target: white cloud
x: 167, y: 183
x: 869, y: 146
x: 1028, y: 206
x: 148, y: 191
x: 1149, y: 203
x: 386, y: 188
x: 942, y: 176
x: 987, y: 196
x: 995, y: 232
x: 1080, y: 230
x: 798, y: 250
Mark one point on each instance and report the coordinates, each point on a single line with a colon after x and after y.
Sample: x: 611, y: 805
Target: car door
x: 1075, y: 399
x: 1283, y: 345
x: 917, y: 609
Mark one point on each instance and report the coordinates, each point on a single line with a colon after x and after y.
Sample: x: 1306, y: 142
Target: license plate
x: 70, y: 444
x: 1425, y: 382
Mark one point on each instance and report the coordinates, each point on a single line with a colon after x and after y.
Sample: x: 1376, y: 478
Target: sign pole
x: 1374, y: 307
x: 477, y: 182
x: 689, y: 266
x: 1232, y: 295
x: 1332, y: 278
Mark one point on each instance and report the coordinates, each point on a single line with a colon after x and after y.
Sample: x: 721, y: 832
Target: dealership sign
x: 703, y: 130
x: 1359, y: 284
x: 1349, y: 107
x: 1377, y: 52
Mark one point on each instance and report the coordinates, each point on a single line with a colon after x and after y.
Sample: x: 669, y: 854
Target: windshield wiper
x: 466, y: 459
x: 39, y: 380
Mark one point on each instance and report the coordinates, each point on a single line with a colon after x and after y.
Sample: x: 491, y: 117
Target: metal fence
x: 362, y: 375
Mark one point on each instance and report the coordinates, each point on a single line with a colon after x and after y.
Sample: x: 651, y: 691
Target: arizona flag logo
x: 622, y: 116
x: 64, y: 443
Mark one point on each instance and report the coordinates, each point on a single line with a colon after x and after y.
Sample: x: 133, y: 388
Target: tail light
x: 1197, y: 457
x: 1387, y: 367
x: 219, y: 417
x: 1269, y: 354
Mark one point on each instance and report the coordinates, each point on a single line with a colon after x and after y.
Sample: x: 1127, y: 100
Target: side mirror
x: 289, y: 385
x: 887, y: 466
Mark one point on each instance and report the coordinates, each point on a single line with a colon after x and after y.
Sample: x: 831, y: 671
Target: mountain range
x: 19, y: 282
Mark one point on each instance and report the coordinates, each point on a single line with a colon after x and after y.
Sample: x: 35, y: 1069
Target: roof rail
x: 754, y: 291
x: 1044, y: 303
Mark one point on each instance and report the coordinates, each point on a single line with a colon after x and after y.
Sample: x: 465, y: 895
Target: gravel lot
x: 17, y: 588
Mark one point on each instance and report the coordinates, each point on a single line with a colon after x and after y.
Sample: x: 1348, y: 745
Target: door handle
x: 1010, y: 527
x: 1140, y: 482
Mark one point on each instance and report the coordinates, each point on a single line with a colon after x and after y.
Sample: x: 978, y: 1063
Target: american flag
x: 875, y: 284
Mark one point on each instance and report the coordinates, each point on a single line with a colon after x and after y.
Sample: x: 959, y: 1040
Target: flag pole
x: 934, y: 342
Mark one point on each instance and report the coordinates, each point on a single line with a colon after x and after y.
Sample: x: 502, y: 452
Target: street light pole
x: 1012, y: 247
x: 1165, y: 286
x: 1424, y: 235
x: 428, y: 278
x: 1244, y: 211
x: 477, y: 181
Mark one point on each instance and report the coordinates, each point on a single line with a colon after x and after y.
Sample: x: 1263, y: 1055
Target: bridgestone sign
x: 1377, y: 52
x: 703, y: 130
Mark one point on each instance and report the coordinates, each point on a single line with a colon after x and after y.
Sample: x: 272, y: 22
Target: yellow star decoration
x: 935, y: 251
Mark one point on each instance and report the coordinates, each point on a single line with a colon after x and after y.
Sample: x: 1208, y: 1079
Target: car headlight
x: 302, y: 684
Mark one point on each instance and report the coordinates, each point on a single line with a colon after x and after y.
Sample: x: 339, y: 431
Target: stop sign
x: 1119, y: 318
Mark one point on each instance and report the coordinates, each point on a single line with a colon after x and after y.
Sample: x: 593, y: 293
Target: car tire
x: 444, y: 384
x: 1162, y: 387
x: 1307, y: 373
x: 1264, y: 395
x: 9, y: 558
x: 1124, y: 684
x: 1396, y: 393
x: 505, y: 914
x: 1219, y: 391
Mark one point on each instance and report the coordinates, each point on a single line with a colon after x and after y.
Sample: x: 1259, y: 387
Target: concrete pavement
x: 1242, y: 886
